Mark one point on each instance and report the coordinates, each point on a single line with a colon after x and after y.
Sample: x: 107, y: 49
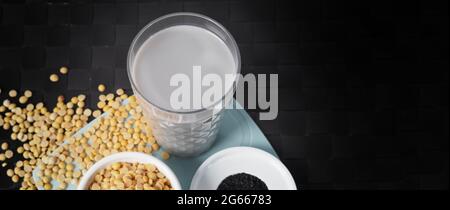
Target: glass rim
x: 220, y: 26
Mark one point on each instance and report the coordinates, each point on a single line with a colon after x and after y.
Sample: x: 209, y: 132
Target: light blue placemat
x: 237, y: 129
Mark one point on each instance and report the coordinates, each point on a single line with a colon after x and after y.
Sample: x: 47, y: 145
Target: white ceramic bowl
x: 249, y: 160
x: 130, y: 157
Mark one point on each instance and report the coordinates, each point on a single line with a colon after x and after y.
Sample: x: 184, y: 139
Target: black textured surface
x: 363, y: 90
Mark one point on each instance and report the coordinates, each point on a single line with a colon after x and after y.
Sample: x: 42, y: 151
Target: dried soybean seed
x: 101, y: 104
x: 109, y: 96
x: 15, y: 178
x: 81, y: 97
x: 96, y: 113
x: 9, y: 154
x: 54, y: 78
x: 165, y: 155
x: 101, y: 88
x: 12, y: 93
x: 10, y: 172
x: 87, y: 112
x: 4, y: 146
x: 47, y: 186
x: 23, y: 99
x: 28, y: 93
x: 80, y: 104
x: 63, y: 70
x: 155, y: 147
x: 120, y: 91
x: 102, y: 97
x: 74, y: 100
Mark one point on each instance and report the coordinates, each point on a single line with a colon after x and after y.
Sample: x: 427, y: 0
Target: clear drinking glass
x: 183, y: 133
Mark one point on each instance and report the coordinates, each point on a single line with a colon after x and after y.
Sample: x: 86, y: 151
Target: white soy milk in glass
x: 171, y: 45
x: 176, y: 50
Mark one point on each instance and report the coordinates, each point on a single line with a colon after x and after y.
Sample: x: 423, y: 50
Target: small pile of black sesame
x: 242, y: 181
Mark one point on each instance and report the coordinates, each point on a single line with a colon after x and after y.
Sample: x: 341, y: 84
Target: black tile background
x: 363, y: 86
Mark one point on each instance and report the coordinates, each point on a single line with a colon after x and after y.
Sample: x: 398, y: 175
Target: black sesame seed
x: 242, y: 181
